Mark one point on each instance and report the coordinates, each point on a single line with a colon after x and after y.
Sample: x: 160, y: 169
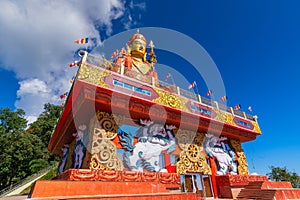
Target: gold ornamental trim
x: 93, y: 75
x: 171, y: 100
x: 224, y: 117
x: 241, y: 157
x: 256, y: 127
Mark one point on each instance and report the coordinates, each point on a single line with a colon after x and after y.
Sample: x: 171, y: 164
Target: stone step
x: 157, y: 196
x: 255, y: 185
x: 256, y: 194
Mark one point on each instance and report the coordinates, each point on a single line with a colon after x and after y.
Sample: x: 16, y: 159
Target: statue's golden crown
x: 137, y: 36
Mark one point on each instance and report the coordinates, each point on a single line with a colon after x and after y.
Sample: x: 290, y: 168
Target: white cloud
x: 37, y: 43
x: 33, y: 93
x: 32, y: 87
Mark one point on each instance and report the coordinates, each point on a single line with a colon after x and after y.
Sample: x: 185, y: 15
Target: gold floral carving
x: 241, y: 158
x: 110, y: 123
x: 93, y: 75
x: 185, y: 138
x: 256, y: 127
x: 104, y: 153
x: 224, y: 117
x: 191, y: 158
x: 171, y: 100
x: 104, y: 128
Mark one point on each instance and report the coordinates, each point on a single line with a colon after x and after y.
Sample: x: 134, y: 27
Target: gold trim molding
x: 92, y: 75
x: 171, y: 100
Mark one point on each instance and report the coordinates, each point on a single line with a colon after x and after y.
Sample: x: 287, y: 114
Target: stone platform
x: 229, y: 186
x: 269, y: 190
x: 105, y: 190
x: 102, y: 184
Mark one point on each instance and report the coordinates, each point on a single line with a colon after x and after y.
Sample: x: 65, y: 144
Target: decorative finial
x: 152, y: 54
x: 151, y: 45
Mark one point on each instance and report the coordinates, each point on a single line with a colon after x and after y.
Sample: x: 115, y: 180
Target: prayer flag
x: 168, y: 76
x: 73, y: 64
x: 64, y: 95
x: 250, y: 108
x: 223, y: 98
x: 192, y: 85
x: 208, y: 93
x: 72, y: 80
x: 114, y: 54
x: 82, y: 41
x: 62, y: 104
x: 237, y: 107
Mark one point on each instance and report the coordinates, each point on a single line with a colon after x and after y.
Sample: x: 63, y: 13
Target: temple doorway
x: 197, y: 183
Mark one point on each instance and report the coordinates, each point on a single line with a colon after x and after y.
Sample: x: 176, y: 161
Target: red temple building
x: 124, y: 134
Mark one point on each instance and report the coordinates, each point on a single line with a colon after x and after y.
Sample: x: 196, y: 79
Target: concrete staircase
x: 266, y: 190
x: 18, y: 187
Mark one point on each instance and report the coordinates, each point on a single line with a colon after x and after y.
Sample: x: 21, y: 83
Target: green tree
x: 24, y: 152
x: 282, y: 174
x: 45, y: 123
x: 17, y: 152
x: 12, y: 122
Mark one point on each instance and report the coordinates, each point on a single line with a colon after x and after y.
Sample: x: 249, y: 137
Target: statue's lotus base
x: 101, y: 184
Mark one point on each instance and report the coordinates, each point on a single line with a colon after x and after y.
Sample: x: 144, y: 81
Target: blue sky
x: 254, y: 44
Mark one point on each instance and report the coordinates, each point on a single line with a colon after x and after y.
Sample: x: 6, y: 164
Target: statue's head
x: 137, y: 45
x: 156, y: 129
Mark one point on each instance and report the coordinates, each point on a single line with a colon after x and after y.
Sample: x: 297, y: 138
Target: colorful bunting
x: 223, y: 98
x: 237, y: 107
x: 82, y: 41
x: 209, y: 92
x: 192, y: 85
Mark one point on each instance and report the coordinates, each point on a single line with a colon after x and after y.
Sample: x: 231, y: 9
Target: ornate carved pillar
x: 103, y: 152
x: 241, y: 158
x: 191, y: 158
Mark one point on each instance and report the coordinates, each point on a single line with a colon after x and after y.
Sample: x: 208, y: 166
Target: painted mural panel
x: 112, y: 142
x: 155, y: 141
x: 223, y: 154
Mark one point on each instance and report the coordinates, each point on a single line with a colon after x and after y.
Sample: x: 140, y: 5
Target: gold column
x: 191, y: 158
x: 241, y: 157
x: 103, y: 152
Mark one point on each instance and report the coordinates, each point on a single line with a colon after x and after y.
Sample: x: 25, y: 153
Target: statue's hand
x: 170, y: 127
x: 146, y: 122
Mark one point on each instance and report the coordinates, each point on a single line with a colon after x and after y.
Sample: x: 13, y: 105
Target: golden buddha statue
x: 134, y: 61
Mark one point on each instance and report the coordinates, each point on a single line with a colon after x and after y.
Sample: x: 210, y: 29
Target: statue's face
x: 139, y: 46
x: 157, y: 129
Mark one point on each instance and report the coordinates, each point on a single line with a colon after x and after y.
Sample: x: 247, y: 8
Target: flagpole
x: 172, y: 78
x: 197, y: 91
